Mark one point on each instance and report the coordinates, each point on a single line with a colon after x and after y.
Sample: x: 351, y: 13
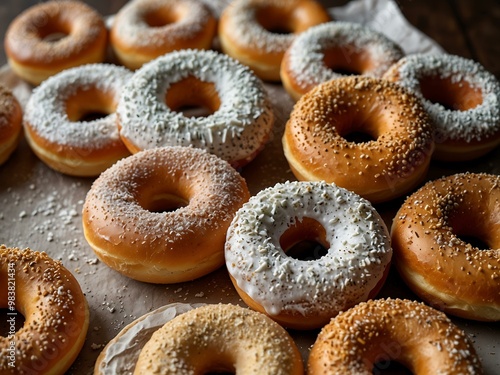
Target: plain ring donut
x: 298, y: 293
x: 332, y: 50
x: 220, y: 338
x: 70, y: 119
x: 161, y: 215
x: 364, y: 134
x: 258, y: 32
x: 146, y: 29
x: 240, y: 118
x: 11, y: 116
x: 446, y: 240
x: 52, y: 36
x: 55, y: 311
x: 462, y: 99
x: 364, y: 339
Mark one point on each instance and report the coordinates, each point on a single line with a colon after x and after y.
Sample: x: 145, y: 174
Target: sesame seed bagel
x: 11, y: 116
x: 370, y: 334
x: 56, y: 123
x: 258, y: 32
x: 145, y: 29
x: 240, y: 119
x: 307, y: 293
x: 430, y: 237
x: 217, y: 338
x: 322, y: 52
x: 161, y: 215
x: 392, y: 160
x: 462, y: 99
x: 34, y: 55
x: 55, y: 311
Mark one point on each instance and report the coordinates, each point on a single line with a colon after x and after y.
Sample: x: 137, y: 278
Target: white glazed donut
x: 55, y: 123
x: 241, y: 117
x: 319, y: 53
x: 462, y: 99
x: 306, y: 294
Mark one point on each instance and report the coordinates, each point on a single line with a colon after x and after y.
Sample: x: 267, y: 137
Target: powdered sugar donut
x: 145, y: 29
x: 323, y: 52
x: 462, y: 99
x: 306, y: 294
x: 258, y: 32
x: 60, y: 125
x: 241, y: 119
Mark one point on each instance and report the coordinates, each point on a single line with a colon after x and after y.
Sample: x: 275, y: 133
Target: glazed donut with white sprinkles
x: 322, y: 52
x: 431, y: 237
x: 55, y: 311
x: 240, y: 120
x: 306, y: 294
x: 371, y: 334
x: 462, y: 99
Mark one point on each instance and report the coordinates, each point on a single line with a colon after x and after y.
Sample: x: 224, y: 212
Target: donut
x: 220, y: 338
x: 306, y: 293
x: 161, y: 215
x: 54, y: 308
x: 11, y: 116
x: 146, y: 29
x: 462, y: 99
x: 53, y: 36
x: 258, y: 32
x: 120, y: 355
x: 446, y: 240
x: 70, y: 120
x: 240, y: 118
x: 332, y: 50
x: 366, y: 338
x: 364, y: 134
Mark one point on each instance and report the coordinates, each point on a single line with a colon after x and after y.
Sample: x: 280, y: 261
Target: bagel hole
x: 455, y: 96
x: 358, y: 137
x: 390, y: 367
x: 274, y: 20
x: 165, y: 203
x: 474, y: 241
x: 346, y: 61
x: 193, y: 97
x: 89, y: 105
x: 12, y: 321
x: 305, y: 240
x: 470, y: 227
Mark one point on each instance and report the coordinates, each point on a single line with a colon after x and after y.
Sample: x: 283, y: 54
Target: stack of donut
x: 169, y: 204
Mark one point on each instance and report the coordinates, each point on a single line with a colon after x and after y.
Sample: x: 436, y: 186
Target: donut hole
x: 11, y: 322
x: 275, y: 20
x: 346, y: 61
x: 305, y: 240
x: 162, y: 16
x: 454, y: 96
x: 53, y: 31
x: 193, y: 97
x: 89, y: 105
x: 390, y: 367
x: 165, y: 202
x: 472, y: 231
x: 357, y: 130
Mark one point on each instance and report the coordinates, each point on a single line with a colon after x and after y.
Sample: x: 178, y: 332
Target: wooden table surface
x: 463, y: 27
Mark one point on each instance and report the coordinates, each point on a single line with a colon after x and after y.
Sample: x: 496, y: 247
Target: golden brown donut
x: 11, y: 116
x: 145, y: 29
x: 53, y: 36
x: 364, y: 339
x: 430, y: 237
x: 462, y: 99
x: 161, y: 215
x: 396, y: 143
x: 221, y: 337
x: 258, y: 32
x: 55, y: 311
x: 59, y: 123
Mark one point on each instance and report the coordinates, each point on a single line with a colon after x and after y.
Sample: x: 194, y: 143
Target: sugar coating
x: 214, y: 335
x: 477, y: 123
x: 393, y: 329
x: 307, y: 51
x: 236, y: 130
x: 132, y: 28
x: 46, y: 112
x: 359, y: 250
